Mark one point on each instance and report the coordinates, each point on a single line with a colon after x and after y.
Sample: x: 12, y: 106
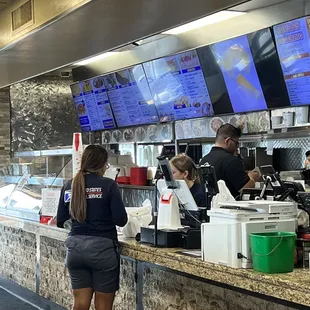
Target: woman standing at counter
x: 96, y: 207
x: 184, y: 168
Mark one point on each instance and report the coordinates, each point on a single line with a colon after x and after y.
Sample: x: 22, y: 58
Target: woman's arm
x: 119, y: 213
x: 63, y: 213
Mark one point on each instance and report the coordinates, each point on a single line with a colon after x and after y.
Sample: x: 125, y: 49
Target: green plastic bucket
x: 273, y: 252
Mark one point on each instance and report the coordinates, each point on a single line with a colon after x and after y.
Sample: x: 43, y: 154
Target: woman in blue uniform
x: 184, y: 168
x: 95, y: 208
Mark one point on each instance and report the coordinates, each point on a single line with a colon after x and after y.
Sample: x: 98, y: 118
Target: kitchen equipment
x: 170, y: 232
x: 123, y: 180
x: 276, y: 121
x: 288, y: 119
x: 124, y: 159
x: 167, y: 230
x: 138, y: 176
x: 128, y: 169
x: 226, y: 239
x: 302, y: 115
x: 115, y: 171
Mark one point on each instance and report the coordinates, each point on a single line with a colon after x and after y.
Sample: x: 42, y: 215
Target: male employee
x: 228, y: 167
x: 307, y: 162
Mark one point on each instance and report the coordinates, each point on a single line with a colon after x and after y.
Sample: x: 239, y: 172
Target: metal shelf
x: 54, y: 152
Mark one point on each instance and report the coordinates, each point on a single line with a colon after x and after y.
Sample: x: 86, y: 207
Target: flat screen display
x: 293, y: 45
x: 178, y: 87
x: 130, y: 97
x: 92, y: 105
x: 243, y: 74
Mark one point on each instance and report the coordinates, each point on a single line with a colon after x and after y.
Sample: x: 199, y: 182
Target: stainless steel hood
x: 98, y: 26
x: 259, y: 14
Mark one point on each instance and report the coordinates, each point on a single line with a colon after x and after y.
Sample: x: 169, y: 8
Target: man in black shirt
x: 227, y: 167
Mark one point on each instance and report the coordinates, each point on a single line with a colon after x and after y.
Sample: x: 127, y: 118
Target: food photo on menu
x: 98, y: 82
x: 75, y: 89
x: 235, y: 60
x: 124, y: 77
x: 87, y: 87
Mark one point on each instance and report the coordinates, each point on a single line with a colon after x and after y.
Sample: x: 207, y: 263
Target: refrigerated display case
x: 22, y: 181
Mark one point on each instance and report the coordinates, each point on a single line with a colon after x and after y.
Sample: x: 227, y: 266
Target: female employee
x: 95, y: 208
x: 184, y: 168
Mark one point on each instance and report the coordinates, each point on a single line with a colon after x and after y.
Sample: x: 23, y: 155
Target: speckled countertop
x: 293, y: 287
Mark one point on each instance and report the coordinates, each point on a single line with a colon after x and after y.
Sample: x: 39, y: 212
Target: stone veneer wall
x: 5, y: 126
x: 163, y: 290
x: 43, y: 113
x: 18, y: 256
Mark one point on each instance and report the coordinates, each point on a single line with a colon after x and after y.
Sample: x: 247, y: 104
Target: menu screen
x: 92, y: 105
x: 244, y: 74
x: 236, y: 62
x: 293, y: 45
x: 178, y: 87
x: 130, y: 97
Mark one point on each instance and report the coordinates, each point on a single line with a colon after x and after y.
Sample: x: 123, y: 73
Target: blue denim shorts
x: 93, y: 262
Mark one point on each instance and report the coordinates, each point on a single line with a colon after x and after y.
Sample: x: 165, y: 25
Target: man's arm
x: 254, y: 176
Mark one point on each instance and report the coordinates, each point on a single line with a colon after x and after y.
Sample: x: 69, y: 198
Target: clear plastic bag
x: 223, y: 195
x: 137, y: 218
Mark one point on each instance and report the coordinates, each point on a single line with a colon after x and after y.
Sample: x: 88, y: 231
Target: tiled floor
x: 11, y: 302
x: 15, y: 297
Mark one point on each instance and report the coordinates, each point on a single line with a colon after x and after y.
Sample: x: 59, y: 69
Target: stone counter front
x: 151, y: 279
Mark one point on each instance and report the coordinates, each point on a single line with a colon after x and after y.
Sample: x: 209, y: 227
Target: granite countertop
x: 292, y: 287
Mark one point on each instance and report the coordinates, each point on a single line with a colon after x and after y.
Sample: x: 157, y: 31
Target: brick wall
x: 5, y: 126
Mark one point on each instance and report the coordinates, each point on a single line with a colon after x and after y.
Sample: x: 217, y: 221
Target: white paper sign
x: 270, y: 144
x: 50, y: 200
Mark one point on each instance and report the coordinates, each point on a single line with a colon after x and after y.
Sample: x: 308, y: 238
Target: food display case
x: 29, y: 175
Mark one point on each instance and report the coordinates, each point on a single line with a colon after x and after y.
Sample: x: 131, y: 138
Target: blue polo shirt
x: 105, y: 208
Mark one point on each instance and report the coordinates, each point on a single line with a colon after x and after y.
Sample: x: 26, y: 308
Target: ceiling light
x: 208, y: 20
x: 95, y: 58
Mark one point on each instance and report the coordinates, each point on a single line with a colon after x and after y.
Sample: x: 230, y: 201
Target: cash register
x: 177, y: 219
x: 274, y: 188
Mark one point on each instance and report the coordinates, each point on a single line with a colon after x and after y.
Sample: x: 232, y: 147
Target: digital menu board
x: 92, y: 105
x: 243, y: 74
x: 293, y: 45
x: 130, y: 97
x: 178, y: 87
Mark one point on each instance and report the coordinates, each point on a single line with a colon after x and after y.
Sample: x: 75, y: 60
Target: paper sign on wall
x: 50, y: 200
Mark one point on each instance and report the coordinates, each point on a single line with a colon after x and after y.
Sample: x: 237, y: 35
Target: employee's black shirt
x: 227, y: 168
x: 105, y: 208
x: 198, y: 193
